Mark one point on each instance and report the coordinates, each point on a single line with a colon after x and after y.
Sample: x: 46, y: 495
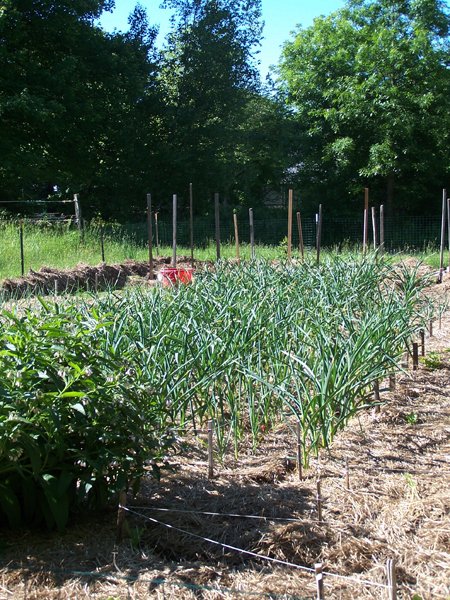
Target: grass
x: 63, y: 248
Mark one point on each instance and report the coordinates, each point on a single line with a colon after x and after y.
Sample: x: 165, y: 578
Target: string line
x: 253, y: 554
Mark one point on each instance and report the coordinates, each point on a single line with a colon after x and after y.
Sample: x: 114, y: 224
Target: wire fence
x: 31, y: 243
x: 400, y: 233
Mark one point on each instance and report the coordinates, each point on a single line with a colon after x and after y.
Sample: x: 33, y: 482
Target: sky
x: 280, y: 17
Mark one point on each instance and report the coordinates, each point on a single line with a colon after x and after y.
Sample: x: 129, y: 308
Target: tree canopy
x: 370, y: 87
x: 362, y: 100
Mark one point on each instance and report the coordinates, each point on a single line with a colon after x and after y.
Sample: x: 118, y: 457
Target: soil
x: 384, y: 489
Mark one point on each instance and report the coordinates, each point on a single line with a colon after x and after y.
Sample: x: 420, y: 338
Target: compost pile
x: 82, y: 278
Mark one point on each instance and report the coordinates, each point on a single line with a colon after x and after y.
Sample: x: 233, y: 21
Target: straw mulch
x: 398, y: 506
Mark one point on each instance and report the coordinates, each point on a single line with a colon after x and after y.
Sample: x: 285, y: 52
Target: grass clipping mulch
x: 397, y: 507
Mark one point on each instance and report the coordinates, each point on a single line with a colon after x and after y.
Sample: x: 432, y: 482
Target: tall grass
x: 60, y: 246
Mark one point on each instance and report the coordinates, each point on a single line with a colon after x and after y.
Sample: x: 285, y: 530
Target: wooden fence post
x: 319, y: 233
x: 441, y: 256
x: 318, y: 567
x: 289, y: 231
x: 252, y: 233
x: 191, y: 223
x: 150, y: 234
x: 366, y: 219
x: 374, y: 228
x: 415, y: 356
x: 22, y: 254
x: 236, y: 235
x: 174, y: 231
x: 102, y: 241
x: 382, y: 228
x: 217, y: 224
x: 301, y: 249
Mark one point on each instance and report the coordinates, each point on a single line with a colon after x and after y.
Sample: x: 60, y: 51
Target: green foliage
x: 370, y: 86
x: 432, y: 360
x: 70, y: 417
x: 91, y: 390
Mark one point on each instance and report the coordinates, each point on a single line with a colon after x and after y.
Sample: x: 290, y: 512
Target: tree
x: 370, y: 87
x: 71, y: 99
x: 207, y: 74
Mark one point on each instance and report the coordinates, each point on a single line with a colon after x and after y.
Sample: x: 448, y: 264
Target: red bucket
x: 169, y: 276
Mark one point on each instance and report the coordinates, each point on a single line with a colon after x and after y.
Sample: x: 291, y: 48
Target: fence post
x: 301, y: 250
x: 174, y: 231
x: 366, y: 218
x: 191, y: 223
x: 318, y: 567
x: 289, y: 232
x: 391, y: 578
x: 319, y: 233
x: 252, y: 233
x: 441, y: 257
x: 102, y: 241
x: 382, y: 228
x: 236, y: 235
x: 77, y: 206
x: 374, y: 228
x: 217, y: 221
x: 150, y: 234
x: 22, y: 255
x: 210, y: 449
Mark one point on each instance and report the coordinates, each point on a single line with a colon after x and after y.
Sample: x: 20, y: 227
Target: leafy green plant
x: 92, y: 388
x: 432, y: 360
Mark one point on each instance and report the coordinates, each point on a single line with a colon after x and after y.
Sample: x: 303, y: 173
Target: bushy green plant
x: 72, y: 425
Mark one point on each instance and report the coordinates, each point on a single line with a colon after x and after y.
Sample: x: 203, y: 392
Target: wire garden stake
x: 415, y: 356
x: 318, y: 567
x: 299, y: 452
x: 210, y: 449
x: 121, y: 516
x: 382, y: 228
x: 391, y: 578
x: 236, y: 235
